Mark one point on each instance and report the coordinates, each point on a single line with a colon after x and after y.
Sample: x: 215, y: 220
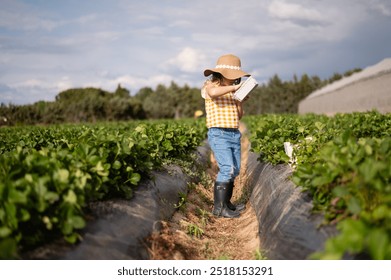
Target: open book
x: 245, y: 88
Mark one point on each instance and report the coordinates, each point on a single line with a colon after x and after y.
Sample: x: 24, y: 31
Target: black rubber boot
x: 220, y: 208
x: 233, y: 207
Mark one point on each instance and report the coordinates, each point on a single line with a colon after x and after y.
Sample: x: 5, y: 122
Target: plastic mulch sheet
x: 287, y: 228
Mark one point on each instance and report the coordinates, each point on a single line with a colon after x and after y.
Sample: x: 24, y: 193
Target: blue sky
x: 50, y: 46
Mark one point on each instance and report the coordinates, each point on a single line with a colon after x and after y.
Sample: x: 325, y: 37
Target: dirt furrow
x: 194, y: 233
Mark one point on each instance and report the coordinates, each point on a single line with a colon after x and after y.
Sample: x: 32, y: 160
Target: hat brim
x: 231, y: 74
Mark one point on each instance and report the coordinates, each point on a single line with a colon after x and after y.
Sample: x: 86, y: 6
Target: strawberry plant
x: 344, y: 162
x: 48, y: 175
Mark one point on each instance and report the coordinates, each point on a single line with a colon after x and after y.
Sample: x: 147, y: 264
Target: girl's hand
x: 237, y: 86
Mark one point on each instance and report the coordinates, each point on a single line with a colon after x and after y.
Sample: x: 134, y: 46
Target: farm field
x: 50, y: 174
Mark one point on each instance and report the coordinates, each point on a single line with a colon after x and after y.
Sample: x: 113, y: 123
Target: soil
x: 193, y: 233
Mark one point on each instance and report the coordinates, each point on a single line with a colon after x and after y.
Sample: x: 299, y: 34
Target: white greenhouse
x: 363, y: 91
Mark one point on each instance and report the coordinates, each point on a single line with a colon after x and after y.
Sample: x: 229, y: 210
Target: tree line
x: 163, y: 102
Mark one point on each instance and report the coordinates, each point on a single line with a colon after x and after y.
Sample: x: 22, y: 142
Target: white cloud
x: 384, y: 7
x: 15, y: 15
x: 133, y: 83
x: 31, y: 83
x: 293, y: 11
x: 15, y: 21
x: 188, y: 60
x: 63, y: 84
x: 311, y: 23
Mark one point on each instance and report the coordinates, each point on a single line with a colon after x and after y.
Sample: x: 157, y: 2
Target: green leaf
x: 24, y: 215
x: 8, y: 249
x: 77, y: 222
x: 378, y: 242
x: 29, y: 178
x: 71, y: 238
x: 381, y: 212
x: 16, y: 196
x: 117, y: 165
x: 100, y: 169
x: 51, y: 197
x: 340, y: 191
x: 368, y: 150
x: 354, y: 205
x: 319, y: 125
x: 135, y: 178
x: 62, y: 175
x: 5, y: 231
x: 46, y: 220
x: 10, y: 210
x: 70, y: 197
x: 322, y: 180
x: 167, y: 145
x: 370, y: 168
x: 93, y: 160
x: 353, y: 234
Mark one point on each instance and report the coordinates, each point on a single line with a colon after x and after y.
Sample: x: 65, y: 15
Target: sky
x: 50, y: 46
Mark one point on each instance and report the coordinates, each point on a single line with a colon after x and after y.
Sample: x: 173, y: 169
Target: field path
x: 194, y: 233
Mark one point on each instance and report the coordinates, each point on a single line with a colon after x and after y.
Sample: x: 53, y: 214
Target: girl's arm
x: 217, y: 91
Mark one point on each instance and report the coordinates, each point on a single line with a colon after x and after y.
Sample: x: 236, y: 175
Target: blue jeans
x: 225, y: 144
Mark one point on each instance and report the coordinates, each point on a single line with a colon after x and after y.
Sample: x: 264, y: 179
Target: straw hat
x: 229, y: 66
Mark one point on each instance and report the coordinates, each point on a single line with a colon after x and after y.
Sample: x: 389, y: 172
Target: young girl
x: 223, y: 113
